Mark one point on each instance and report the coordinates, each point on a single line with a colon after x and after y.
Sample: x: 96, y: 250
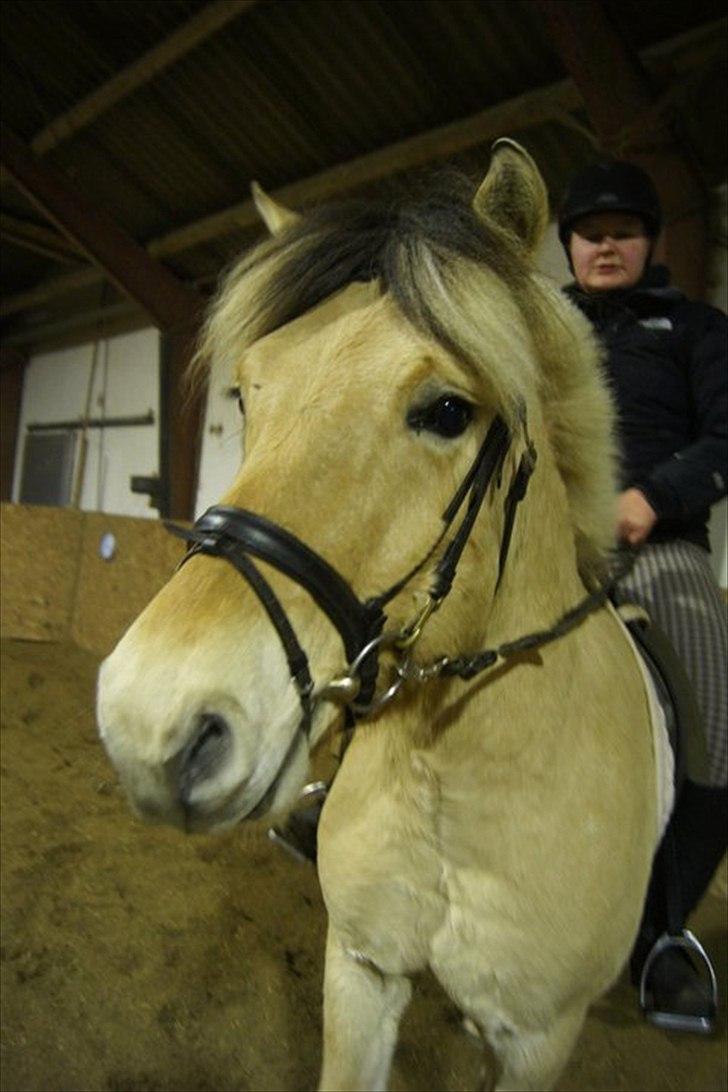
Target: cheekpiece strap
x: 487, y: 465
x: 516, y: 493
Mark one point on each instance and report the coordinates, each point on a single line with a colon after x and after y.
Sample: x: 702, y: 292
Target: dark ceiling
x: 162, y: 112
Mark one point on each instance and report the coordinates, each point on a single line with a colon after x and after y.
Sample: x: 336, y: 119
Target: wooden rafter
x: 685, y: 53
x: 38, y: 238
x: 187, y: 37
x: 90, y: 324
x: 168, y: 301
x: 53, y: 288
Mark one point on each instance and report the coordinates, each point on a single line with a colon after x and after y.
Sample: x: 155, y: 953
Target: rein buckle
x: 412, y: 632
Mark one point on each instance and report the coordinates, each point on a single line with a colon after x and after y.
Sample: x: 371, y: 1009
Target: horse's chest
x: 386, y: 922
x: 382, y: 886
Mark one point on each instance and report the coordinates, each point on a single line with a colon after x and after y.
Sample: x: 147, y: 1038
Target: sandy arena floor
x: 134, y: 959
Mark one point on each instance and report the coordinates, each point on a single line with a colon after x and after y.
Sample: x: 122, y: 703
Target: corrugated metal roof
x: 285, y: 90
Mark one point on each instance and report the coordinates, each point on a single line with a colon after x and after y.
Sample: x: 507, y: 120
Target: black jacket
x: 667, y: 364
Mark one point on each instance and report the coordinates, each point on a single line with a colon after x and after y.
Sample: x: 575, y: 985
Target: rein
x: 467, y: 667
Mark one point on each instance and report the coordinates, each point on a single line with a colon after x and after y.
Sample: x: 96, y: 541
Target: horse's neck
x: 539, y: 584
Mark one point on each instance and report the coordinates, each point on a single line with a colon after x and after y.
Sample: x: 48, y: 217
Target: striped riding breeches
x: 674, y: 582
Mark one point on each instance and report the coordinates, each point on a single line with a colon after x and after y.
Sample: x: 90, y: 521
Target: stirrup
x: 286, y: 836
x: 674, y: 1021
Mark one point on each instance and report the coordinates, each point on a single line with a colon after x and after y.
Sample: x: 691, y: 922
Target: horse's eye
x: 447, y: 416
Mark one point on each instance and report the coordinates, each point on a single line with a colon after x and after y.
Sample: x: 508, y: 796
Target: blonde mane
x: 442, y: 264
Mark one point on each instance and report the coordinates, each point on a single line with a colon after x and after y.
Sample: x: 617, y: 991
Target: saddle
x: 676, y: 699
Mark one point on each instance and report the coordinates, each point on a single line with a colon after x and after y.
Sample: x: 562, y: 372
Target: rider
x: 666, y: 360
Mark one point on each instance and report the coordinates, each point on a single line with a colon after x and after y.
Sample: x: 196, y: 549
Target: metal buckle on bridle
x: 235, y: 534
x: 344, y: 689
x: 411, y: 633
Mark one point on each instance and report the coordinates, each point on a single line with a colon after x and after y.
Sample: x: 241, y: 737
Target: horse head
x: 373, y: 348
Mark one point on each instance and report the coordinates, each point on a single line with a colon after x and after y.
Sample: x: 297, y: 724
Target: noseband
x: 237, y: 535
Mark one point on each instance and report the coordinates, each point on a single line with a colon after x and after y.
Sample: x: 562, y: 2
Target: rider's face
x: 608, y: 250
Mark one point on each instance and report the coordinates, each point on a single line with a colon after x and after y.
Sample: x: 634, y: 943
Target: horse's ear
x: 513, y: 194
x: 275, y: 217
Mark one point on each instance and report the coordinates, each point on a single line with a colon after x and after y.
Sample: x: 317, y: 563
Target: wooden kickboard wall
x: 55, y: 586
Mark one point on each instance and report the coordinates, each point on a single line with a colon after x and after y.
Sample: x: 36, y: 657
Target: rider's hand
x: 635, y: 517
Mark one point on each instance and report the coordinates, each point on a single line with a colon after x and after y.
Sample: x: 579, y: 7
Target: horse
x: 414, y: 546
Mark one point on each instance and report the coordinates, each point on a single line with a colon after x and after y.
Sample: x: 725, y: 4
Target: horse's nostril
x: 205, y: 754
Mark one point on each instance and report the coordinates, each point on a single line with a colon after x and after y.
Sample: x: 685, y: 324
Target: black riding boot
x: 701, y: 836
x: 677, y: 993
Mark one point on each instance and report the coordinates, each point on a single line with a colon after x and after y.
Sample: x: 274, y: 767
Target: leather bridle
x: 237, y: 535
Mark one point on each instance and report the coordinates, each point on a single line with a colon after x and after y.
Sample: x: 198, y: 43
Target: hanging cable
x: 80, y: 472
x: 101, y: 470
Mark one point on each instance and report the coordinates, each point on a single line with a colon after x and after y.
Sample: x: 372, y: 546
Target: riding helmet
x: 614, y: 186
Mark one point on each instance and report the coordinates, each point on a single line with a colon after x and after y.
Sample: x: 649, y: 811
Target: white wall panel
x: 125, y: 384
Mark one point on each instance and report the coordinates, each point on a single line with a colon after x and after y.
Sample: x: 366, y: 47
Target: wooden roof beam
x: 683, y: 53
x: 552, y: 102
x: 36, y: 237
x: 51, y: 289
x: 187, y: 37
x: 94, y: 322
x: 168, y: 301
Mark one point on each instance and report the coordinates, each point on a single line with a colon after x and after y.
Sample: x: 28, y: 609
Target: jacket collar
x: 654, y: 289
